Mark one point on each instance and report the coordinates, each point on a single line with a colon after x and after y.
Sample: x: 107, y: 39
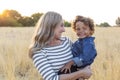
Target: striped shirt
x: 50, y: 60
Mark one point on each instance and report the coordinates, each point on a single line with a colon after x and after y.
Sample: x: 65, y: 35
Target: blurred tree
x: 67, y: 24
x: 26, y: 21
x: 105, y: 24
x: 10, y: 18
x: 118, y: 21
x: 97, y: 25
x: 14, y: 18
x: 36, y: 17
x: 12, y: 13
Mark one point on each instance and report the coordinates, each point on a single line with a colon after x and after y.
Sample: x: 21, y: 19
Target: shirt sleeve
x: 75, y: 51
x: 89, y: 53
x: 44, y: 67
x: 87, y: 56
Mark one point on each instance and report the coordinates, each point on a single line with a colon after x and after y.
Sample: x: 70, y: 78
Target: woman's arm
x: 45, y: 69
x: 82, y: 73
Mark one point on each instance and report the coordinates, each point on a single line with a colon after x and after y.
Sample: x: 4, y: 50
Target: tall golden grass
x: 16, y: 65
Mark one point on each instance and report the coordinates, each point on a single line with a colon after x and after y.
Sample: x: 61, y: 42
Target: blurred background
x: 17, y: 23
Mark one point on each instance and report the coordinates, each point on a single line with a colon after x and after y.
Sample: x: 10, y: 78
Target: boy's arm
x: 89, y: 50
x: 88, y: 55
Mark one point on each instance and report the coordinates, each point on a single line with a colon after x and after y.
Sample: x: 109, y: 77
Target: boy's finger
x: 62, y: 70
x: 66, y: 70
x: 69, y: 70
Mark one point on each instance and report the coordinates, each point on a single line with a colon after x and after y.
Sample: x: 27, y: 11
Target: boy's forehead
x: 79, y: 23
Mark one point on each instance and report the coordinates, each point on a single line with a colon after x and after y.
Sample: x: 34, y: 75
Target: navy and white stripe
x: 50, y: 60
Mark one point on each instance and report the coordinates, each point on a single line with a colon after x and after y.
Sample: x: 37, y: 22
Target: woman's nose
x: 63, y: 29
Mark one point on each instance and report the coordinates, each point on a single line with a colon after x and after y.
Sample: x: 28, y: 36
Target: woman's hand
x: 86, y: 72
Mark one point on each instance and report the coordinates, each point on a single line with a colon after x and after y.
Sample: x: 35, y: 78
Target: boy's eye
x: 84, y: 28
x: 77, y: 29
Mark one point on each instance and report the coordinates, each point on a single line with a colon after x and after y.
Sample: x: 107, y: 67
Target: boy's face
x: 82, y: 30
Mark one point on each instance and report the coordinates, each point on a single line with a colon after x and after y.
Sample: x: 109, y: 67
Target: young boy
x: 83, y: 49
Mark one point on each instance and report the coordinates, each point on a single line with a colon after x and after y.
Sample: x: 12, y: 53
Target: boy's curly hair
x: 87, y: 21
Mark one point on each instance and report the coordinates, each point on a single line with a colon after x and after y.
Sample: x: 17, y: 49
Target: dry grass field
x: 16, y: 65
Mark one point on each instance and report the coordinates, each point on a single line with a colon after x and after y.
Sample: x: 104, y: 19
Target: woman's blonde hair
x: 44, y: 31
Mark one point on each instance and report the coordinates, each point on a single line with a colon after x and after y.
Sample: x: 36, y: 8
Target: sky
x: 99, y: 10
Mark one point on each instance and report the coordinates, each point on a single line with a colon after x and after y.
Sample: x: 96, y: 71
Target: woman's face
x: 82, y: 30
x: 59, y: 30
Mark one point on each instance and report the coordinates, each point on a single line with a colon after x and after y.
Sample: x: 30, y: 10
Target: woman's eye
x: 62, y: 25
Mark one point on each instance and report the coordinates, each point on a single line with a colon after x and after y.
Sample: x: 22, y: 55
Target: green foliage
x: 10, y: 18
x: 26, y: 21
x: 97, y: 25
x: 118, y: 21
x: 105, y: 24
x: 36, y: 17
x: 14, y: 18
x: 12, y: 13
x: 67, y: 24
x: 9, y: 22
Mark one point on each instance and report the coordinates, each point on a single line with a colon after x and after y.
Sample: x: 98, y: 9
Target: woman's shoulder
x: 65, y: 38
x: 39, y: 53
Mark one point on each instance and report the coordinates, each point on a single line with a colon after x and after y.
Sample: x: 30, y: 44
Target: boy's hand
x: 67, y: 67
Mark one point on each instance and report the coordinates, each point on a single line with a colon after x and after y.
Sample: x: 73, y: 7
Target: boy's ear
x: 91, y: 32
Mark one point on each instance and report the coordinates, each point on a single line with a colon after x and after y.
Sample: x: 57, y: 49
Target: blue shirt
x: 84, y: 51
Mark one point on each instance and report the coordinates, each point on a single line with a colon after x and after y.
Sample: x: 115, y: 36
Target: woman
x: 50, y: 52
